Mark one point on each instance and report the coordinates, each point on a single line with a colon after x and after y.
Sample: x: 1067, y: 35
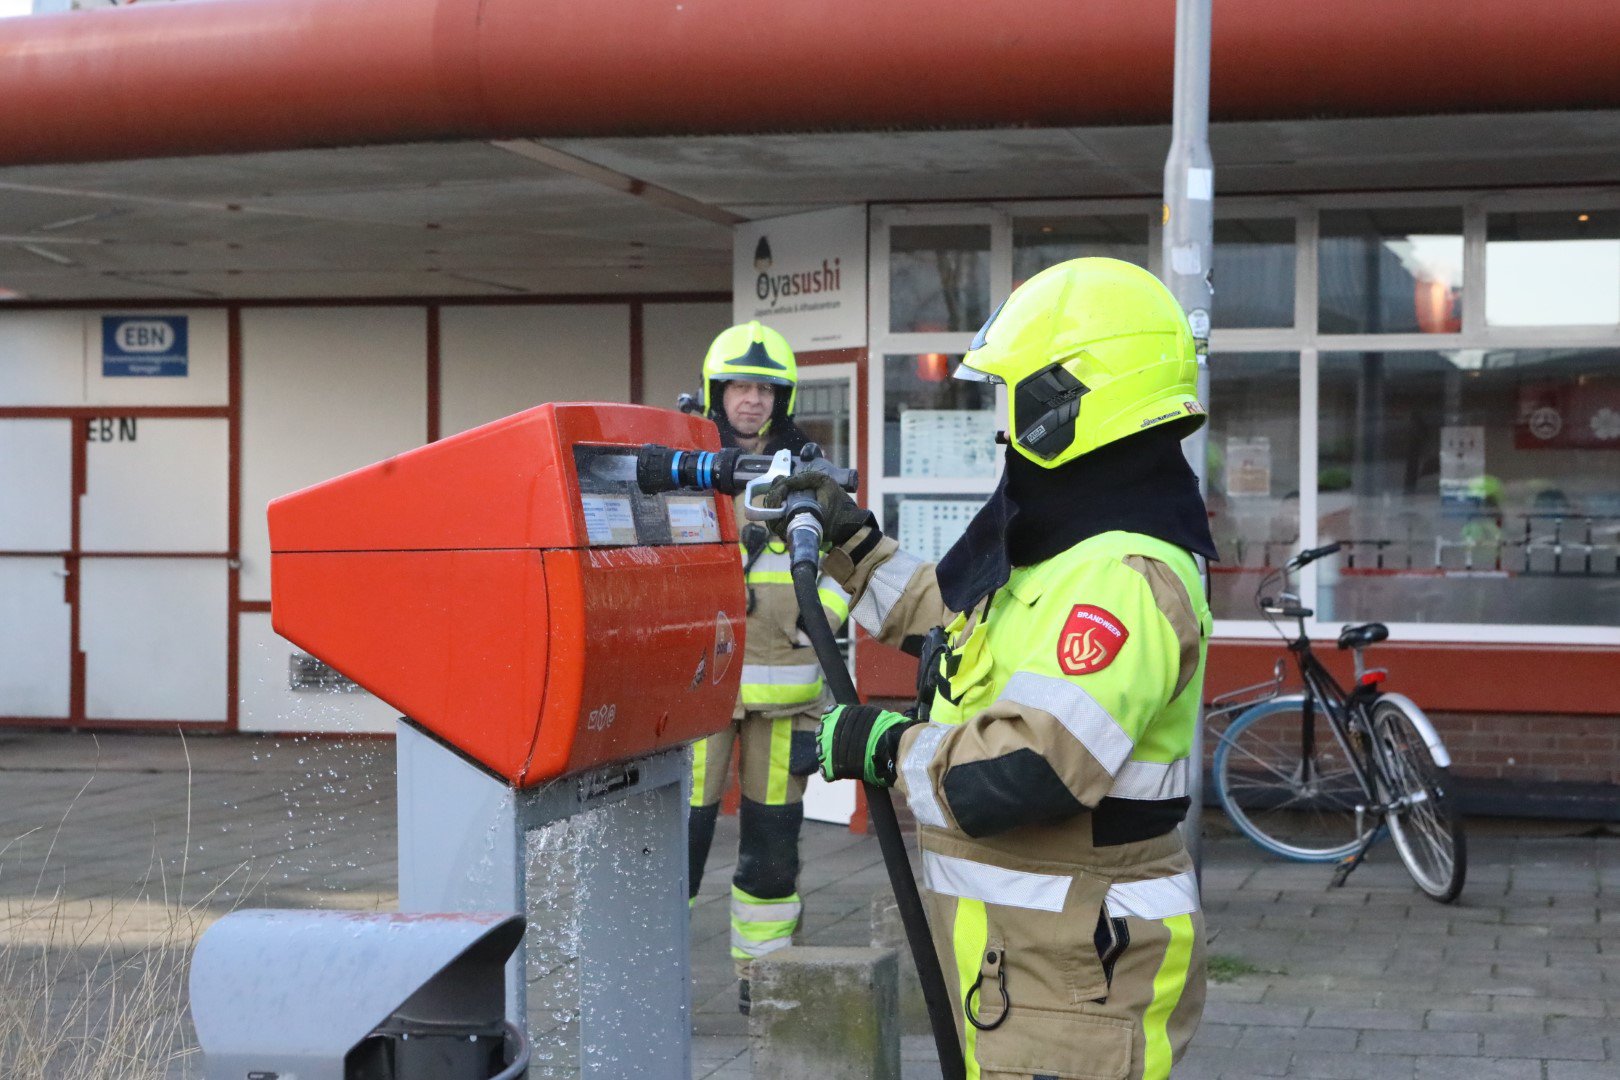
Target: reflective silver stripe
x: 771, y: 560
x: 883, y: 590
x: 1077, y: 711
x: 828, y: 585
x: 919, y: 788
x: 1150, y: 780
x: 994, y: 884
x: 755, y: 949
x: 781, y: 674
x: 780, y: 911
x: 1156, y: 898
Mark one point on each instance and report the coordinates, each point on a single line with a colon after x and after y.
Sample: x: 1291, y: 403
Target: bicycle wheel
x: 1423, y: 820
x: 1297, y: 807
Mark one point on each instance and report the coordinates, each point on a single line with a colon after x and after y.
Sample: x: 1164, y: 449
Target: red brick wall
x: 1531, y: 746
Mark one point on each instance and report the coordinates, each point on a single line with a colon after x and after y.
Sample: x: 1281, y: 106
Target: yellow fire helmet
x: 755, y: 353
x: 1093, y: 350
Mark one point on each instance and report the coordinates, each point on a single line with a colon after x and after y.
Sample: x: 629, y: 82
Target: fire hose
x: 731, y: 472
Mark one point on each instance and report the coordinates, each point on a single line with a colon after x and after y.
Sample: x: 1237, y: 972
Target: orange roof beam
x: 255, y: 75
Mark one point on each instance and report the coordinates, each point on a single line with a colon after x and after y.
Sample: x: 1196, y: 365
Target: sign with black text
x: 804, y: 275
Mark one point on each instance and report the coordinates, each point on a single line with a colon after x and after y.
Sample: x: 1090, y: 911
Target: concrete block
x: 824, y: 1013
x: 888, y: 932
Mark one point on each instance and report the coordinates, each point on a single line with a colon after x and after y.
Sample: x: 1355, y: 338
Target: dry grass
x: 96, y: 989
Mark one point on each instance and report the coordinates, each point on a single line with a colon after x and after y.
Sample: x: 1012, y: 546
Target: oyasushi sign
x: 805, y: 276
x: 144, y: 345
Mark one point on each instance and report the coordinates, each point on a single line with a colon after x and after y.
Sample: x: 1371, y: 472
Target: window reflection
x: 1391, y: 271
x: 1253, y: 473
x: 1471, y: 486
x: 1254, y: 273
x: 927, y: 525
x: 1042, y: 242
x: 939, y: 277
x: 934, y: 425
x: 1552, y: 269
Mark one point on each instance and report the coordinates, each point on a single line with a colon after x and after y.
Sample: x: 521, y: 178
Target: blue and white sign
x: 144, y: 345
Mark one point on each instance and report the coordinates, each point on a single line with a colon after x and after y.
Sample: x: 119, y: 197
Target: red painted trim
x: 434, y: 344
x: 1450, y: 677
x: 638, y: 366
x: 164, y: 727
x: 80, y: 478
x: 165, y: 80
x: 87, y: 412
x: 247, y: 607
x: 119, y: 554
x: 233, y: 572
x: 445, y: 300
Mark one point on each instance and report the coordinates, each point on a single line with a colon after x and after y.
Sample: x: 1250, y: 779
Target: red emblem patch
x: 1090, y: 640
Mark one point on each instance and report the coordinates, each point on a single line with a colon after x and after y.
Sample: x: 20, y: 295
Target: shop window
x: 939, y: 278
x: 927, y: 525
x: 1042, y: 242
x: 1553, y: 269
x: 935, y: 425
x: 1471, y: 486
x: 1254, y: 273
x: 1253, y: 492
x: 1390, y: 271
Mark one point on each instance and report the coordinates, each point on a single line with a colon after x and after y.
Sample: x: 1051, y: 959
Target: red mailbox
x: 512, y: 591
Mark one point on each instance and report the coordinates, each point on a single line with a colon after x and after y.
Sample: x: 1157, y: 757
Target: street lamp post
x: 1188, y: 250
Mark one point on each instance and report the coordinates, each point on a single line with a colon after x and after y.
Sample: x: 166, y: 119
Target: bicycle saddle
x: 1359, y: 637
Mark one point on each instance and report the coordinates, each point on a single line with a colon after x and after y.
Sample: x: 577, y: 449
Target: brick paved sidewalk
x: 1520, y: 980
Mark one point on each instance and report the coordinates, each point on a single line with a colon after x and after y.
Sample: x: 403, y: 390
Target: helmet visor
x: 973, y: 374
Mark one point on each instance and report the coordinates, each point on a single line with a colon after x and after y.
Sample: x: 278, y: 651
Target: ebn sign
x: 146, y: 336
x: 144, y: 345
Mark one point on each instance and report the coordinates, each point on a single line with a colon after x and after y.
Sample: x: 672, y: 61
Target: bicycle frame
x: 1347, y: 713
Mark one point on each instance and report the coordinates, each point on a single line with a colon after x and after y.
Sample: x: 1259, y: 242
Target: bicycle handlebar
x: 1310, y: 555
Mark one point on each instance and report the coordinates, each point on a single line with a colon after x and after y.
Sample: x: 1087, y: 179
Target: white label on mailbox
x: 608, y: 519
x: 693, y: 521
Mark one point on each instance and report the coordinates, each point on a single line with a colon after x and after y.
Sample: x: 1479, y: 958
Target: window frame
x: 1303, y: 338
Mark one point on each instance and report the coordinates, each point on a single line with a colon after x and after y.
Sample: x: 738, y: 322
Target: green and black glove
x: 860, y: 742
x: 841, y: 518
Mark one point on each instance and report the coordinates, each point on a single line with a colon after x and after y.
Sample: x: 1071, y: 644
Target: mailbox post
x: 555, y: 639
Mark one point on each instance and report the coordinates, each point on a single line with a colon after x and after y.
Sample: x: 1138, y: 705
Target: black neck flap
x: 1141, y: 484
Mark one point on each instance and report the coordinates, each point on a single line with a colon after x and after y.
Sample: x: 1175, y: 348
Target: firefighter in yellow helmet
x: 1063, y: 638
x: 750, y: 385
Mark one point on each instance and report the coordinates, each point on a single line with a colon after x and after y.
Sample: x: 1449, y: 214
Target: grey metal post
x: 597, y: 865
x: 1189, y: 245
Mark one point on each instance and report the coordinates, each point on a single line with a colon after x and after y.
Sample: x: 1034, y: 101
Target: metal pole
x: 1189, y: 243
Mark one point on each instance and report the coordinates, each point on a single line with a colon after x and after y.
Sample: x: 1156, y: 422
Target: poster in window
x: 928, y: 527
x: 948, y: 442
x: 1576, y: 415
x: 1462, y: 463
x: 1248, y: 467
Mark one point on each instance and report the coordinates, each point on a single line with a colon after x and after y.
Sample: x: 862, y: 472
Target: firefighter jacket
x: 780, y: 675
x: 1047, y: 786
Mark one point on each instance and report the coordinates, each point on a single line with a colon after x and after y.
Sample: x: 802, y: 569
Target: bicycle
x: 1314, y: 799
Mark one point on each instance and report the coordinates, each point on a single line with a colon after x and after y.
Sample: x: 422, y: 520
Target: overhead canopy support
x: 251, y: 75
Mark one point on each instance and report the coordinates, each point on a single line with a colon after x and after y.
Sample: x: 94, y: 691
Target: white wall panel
x: 674, y: 338
x: 36, y: 485
x: 35, y: 623
x: 207, y: 379
x: 269, y: 704
x: 164, y: 489
x: 495, y: 361
x: 324, y: 390
x: 153, y: 636
x: 42, y: 358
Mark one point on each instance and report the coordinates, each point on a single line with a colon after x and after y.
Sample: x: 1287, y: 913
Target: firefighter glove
x: 840, y: 517
x: 861, y: 742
